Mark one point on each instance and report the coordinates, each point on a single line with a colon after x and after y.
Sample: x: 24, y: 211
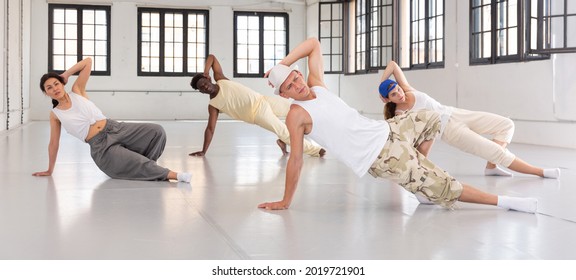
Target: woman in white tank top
x: 461, y: 128
x: 121, y: 150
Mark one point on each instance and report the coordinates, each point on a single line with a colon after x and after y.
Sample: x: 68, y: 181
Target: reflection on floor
x: 79, y: 213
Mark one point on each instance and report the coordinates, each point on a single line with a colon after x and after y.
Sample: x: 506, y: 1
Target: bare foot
x: 322, y: 152
x: 282, y: 146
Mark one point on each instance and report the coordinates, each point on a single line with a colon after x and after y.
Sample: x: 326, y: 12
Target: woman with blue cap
x: 460, y: 128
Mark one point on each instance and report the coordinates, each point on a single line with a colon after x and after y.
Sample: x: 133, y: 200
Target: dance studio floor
x: 80, y: 213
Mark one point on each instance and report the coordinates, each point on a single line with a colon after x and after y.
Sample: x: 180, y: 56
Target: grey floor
x: 79, y: 213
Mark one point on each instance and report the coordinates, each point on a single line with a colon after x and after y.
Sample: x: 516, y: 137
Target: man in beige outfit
x: 245, y: 104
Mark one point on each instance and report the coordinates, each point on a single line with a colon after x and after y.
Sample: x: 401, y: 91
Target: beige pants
x: 465, y: 128
x: 401, y: 162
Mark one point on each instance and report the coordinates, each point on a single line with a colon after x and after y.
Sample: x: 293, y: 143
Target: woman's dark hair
x: 389, y: 110
x: 45, y: 78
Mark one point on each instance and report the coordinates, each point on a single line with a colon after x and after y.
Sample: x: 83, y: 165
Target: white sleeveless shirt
x: 424, y: 102
x: 350, y: 137
x: 77, y: 119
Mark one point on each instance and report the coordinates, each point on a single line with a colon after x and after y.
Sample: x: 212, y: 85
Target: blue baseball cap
x: 386, y: 87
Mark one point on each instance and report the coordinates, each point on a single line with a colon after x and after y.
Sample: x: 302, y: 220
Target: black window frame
x: 79, y: 35
x: 163, y: 11
x: 261, y: 31
x: 543, y: 27
x: 330, y: 56
x: 365, y: 46
x: 426, y: 64
x: 494, y: 58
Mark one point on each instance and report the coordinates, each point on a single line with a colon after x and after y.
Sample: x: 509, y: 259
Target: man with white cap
x: 245, y: 104
x: 389, y: 149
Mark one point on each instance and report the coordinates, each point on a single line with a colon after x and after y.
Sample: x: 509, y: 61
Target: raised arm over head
x: 308, y: 49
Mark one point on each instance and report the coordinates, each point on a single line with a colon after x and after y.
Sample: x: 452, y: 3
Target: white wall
x: 183, y: 103
x: 14, y: 34
x: 3, y: 68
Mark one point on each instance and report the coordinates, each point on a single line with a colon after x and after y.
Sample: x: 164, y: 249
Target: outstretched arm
x: 209, y: 131
x: 295, y: 121
x: 85, y: 68
x: 393, y: 69
x: 212, y: 62
x: 55, y: 129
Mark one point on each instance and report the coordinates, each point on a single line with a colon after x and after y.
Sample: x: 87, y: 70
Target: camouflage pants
x: 401, y: 162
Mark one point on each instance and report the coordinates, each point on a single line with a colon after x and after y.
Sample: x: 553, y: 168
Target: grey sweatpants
x: 129, y: 150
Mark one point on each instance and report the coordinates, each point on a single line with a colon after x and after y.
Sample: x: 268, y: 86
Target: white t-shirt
x: 350, y: 137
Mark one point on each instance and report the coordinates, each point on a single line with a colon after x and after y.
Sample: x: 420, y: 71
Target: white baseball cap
x: 278, y: 74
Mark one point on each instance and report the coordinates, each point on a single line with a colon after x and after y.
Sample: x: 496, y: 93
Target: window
x: 552, y: 26
x: 331, y: 30
x: 495, y: 31
x: 427, y: 33
x: 374, y: 34
x: 76, y: 32
x: 172, y: 42
x: 260, y: 40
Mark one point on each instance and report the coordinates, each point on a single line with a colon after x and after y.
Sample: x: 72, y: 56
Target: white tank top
x: 424, y: 102
x: 350, y: 137
x: 78, y: 118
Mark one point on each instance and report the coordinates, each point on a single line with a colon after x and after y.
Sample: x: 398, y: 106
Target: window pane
x: 88, y: 32
x: 253, y: 23
x: 88, y: 17
x: 557, y: 7
x: 325, y: 12
x: 58, y: 16
x: 71, y: 16
x: 253, y: 51
x: 58, y: 46
x: 571, y: 32
x: 101, y: 33
x: 242, y: 65
x: 269, y: 23
x: 242, y: 51
x: 242, y: 22
x: 486, y: 43
x: 336, y: 46
x: 280, y: 38
x: 58, y: 30
x: 571, y: 8
x: 58, y: 61
x: 268, y: 37
x: 280, y: 52
x: 100, y: 63
x: 253, y: 37
x: 101, y: 17
x: 70, y: 61
x: 71, y: 47
x: 253, y: 67
x: 268, y: 52
x: 155, y: 19
x: 557, y: 26
x: 486, y: 22
x: 88, y: 47
x: 71, y: 31
x: 513, y: 41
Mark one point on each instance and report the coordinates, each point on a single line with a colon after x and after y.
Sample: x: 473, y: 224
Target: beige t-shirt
x: 236, y: 100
